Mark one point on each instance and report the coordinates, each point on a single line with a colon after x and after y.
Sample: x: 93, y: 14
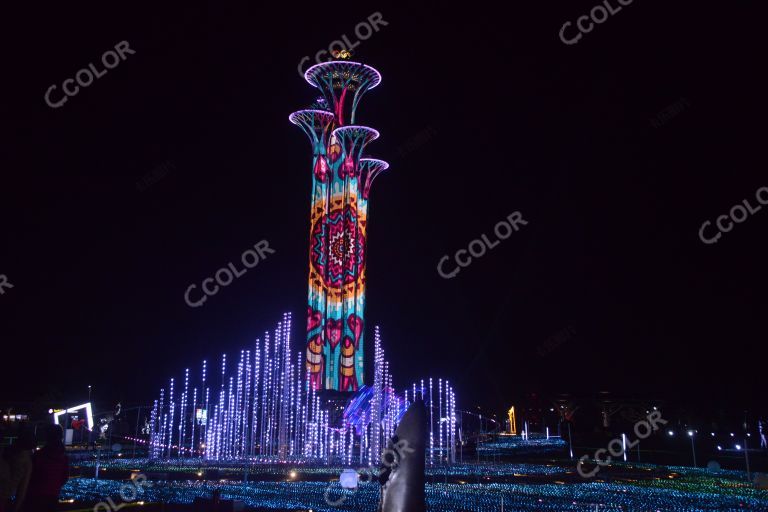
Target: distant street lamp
x: 746, y: 447
x: 746, y: 459
x: 693, y: 446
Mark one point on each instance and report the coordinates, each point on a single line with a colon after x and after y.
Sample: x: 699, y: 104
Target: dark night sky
x: 519, y: 122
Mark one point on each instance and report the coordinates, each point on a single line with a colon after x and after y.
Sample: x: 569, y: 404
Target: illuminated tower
x: 341, y: 182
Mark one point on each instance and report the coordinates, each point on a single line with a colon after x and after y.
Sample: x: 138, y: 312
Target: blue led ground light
x: 236, y: 468
x: 517, y: 445
x: 678, y: 490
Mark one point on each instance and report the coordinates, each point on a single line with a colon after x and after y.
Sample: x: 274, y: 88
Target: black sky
x: 518, y: 120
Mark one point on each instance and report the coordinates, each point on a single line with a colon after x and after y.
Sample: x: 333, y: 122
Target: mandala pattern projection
x: 338, y: 231
x: 341, y: 183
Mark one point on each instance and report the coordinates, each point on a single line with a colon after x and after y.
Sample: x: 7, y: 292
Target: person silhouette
x: 18, y: 458
x: 50, y: 471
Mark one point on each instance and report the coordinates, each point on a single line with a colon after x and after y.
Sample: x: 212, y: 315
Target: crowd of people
x: 31, y: 478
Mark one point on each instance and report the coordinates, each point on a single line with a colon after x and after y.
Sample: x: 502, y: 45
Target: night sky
x: 179, y: 159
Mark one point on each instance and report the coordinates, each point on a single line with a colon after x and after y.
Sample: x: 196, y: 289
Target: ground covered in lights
x: 463, y: 487
x: 517, y: 446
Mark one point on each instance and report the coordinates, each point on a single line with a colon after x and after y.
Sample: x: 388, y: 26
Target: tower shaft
x: 338, y: 225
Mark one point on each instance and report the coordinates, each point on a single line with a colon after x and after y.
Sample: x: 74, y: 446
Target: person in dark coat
x: 18, y: 456
x: 50, y: 471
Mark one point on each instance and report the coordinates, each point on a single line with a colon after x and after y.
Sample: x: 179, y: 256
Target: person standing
x: 18, y: 457
x: 50, y: 472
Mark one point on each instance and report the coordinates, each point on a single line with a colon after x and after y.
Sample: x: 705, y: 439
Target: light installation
x: 518, y: 486
x: 268, y: 407
x: 341, y: 184
x: 263, y: 409
x: 512, y: 421
x: 84, y: 407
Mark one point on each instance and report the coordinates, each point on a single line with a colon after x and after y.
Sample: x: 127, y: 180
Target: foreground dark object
x: 402, y: 478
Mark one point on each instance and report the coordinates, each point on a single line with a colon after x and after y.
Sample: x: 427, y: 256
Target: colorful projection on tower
x: 341, y: 184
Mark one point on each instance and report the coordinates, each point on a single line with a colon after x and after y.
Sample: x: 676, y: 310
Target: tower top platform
x: 375, y: 163
x: 340, y: 74
x: 343, y: 84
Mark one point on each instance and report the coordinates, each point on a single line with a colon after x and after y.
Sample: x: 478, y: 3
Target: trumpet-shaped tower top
x: 315, y: 123
x: 343, y: 84
x: 369, y: 169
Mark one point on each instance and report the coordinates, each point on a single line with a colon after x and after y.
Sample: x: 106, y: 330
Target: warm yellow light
x: 512, y: 425
x: 341, y: 54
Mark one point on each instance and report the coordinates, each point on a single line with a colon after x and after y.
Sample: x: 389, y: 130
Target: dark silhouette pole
x: 402, y: 464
